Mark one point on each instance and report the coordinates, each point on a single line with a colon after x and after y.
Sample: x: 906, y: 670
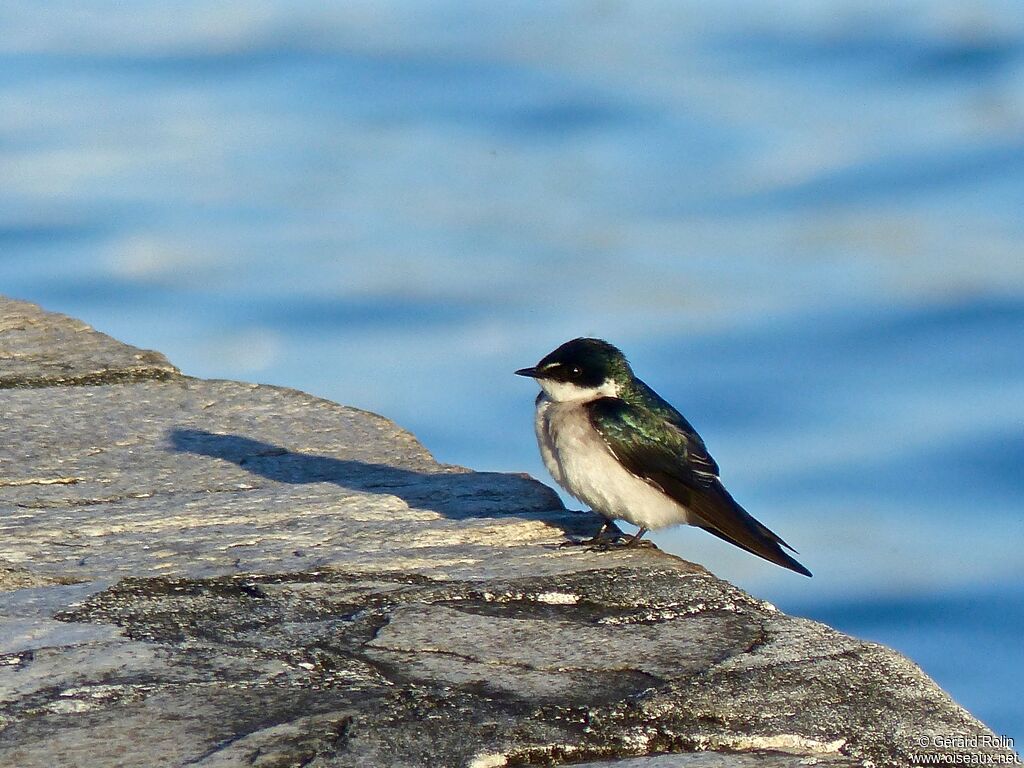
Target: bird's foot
x: 639, y: 544
x: 639, y: 541
x: 636, y: 541
x: 619, y: 540
x: 602, y: 540
x: 596, y: 542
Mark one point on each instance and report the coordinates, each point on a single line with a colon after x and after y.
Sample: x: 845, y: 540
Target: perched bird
x: 616, y: 445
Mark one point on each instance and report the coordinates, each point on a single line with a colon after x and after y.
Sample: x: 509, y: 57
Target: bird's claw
x: 595, y: 542
x: 611, y: 537
x: 630, y: 543
x: 639, y: 544
x: 608, y: 543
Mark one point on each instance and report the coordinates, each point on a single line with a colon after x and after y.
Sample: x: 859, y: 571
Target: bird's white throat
x: 566, y: 391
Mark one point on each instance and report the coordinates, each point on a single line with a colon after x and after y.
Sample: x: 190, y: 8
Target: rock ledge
x: 211, y: 573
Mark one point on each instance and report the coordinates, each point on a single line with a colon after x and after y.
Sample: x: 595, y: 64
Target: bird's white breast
x: 579, y: 460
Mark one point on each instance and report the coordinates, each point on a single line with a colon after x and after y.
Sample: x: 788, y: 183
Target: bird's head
x: 582, y: 369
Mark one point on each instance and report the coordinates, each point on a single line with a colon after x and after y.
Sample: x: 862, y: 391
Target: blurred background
x: 802, y: 221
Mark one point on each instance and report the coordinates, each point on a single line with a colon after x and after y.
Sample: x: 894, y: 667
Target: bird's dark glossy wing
x: 660, y: 447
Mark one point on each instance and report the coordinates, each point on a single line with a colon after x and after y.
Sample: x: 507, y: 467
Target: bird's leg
x: 602, y: 543
x: 587, y: 542
x: 634, y: 540
x: 599, y: 539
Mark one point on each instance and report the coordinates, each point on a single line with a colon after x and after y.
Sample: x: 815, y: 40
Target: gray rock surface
x: 209, y: 573
x: 40, y: 349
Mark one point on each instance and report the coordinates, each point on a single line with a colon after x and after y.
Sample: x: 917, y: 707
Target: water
x: 802, y: 223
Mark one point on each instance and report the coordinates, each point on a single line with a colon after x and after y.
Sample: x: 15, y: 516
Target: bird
x: 616, y: 445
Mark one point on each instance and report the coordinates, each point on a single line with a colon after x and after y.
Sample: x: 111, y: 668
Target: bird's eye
x: 575, y: 371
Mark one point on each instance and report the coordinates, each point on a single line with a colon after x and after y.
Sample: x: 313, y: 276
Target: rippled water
x: 802, y: 223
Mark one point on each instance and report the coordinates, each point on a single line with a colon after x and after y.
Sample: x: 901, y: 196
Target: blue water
x: 802, y: 223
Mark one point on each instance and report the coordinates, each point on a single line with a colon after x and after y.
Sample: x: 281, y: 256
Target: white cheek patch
x: 560, y: 391
x: 564, y: 391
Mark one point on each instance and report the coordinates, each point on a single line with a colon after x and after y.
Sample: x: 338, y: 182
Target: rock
x: 209, y: 573
x: 41, y: 349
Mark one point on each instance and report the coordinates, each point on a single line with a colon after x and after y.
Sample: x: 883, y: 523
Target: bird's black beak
x: 531, y: 372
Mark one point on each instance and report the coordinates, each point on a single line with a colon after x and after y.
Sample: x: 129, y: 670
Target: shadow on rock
x: 455, y: 495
